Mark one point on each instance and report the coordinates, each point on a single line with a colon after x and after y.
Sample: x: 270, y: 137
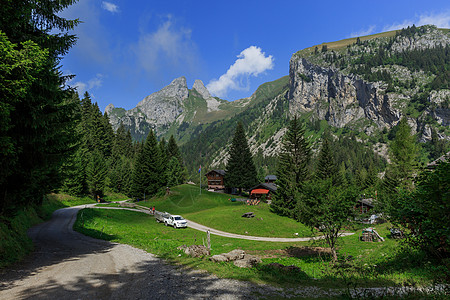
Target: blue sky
x: 127, y: 50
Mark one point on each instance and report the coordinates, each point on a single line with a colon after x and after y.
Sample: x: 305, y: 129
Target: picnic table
x: 248, y: 215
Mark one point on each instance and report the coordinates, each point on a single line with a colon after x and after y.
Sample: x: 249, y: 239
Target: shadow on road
x: 152, y: 280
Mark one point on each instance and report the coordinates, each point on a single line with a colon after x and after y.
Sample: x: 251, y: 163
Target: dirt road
x: 69, y: 265
x: 204, y: 228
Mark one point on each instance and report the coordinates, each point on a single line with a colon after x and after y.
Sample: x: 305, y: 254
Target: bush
x: 425, y: 212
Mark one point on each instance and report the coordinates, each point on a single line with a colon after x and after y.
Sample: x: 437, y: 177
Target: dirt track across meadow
x: 203, y: 228
x: 69, y: 265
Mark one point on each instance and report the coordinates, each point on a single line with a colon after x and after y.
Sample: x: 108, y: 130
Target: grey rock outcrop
x: 430, y: 39
x: 340, y: 99
x: 238, y: 257
x: 211, y: 102
x: 166, y: 105
x: 196, y: 251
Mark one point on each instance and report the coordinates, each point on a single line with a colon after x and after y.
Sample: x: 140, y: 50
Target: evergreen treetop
x: 241, y: 171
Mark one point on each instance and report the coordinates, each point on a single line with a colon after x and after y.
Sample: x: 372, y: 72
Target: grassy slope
x: 217, y: 211
x: 337, y: 45
x: 374, y: 264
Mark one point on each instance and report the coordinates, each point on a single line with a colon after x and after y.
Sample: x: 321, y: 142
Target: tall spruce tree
x: 326, y: 167
x: 176, y: 172
x: 38, y: 120
x: 147, y: 170
x: 292, y: 168
x: 404, y: 154
x: 96, y: 171
x: 241, y: 171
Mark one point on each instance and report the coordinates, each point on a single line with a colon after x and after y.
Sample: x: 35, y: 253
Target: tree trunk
x: 334, y: 253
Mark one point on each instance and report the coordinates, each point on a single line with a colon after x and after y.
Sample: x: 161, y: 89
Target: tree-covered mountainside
x: 359, y: 89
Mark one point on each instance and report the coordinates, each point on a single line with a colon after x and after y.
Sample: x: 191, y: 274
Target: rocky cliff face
x: 333, y: 93
x: 211, y: 102
x: 340, y: 99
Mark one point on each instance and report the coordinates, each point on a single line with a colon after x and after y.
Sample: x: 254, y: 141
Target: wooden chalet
x: 364, y: 205
x: 215, y: 179
x: 262, y: 189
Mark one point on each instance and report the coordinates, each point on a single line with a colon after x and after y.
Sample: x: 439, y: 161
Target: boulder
x: 234, y: 254
x: 218, y: 258
x: 196, y: 251
x: 248, y: 261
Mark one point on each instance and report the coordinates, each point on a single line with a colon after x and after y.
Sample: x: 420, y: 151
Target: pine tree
x: 75, y: 175
x: 173, y: 152
x: 164, y: 160
x: 326, y: 167
x: 174, y: 172
x: 241, y: 171
x: 404, y: 153
x: 96, y: 174
x: 147, y: 170
x: 292, y: 168
x: 38, y: 117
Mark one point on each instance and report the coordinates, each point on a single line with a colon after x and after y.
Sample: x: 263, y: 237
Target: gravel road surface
x: 69, y: 265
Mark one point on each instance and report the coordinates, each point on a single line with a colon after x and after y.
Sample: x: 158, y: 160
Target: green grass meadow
x: 215, y: 210
x: 361, y: 264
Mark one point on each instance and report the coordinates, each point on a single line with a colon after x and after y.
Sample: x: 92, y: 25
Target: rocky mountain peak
x: 201, y: 89
x: 109, y: 108
x: 211, y: 102
x: 177, y: 90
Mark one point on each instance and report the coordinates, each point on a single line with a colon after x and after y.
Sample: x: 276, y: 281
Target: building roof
x: 267, y: 186
x: 260, y: 191
x: 221, y: 172
x: 270, y: 178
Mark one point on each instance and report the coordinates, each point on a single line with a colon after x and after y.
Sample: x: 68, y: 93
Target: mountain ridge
x: 362, y: 85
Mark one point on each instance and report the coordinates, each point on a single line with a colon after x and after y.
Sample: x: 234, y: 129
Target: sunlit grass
x: 215, y: 210
x: 372, y: 264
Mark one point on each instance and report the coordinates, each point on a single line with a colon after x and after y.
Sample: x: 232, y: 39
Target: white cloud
x: 364, y: 32
x: 170, y: 47
x: 111, y: 7
x: 441, y: 20
x: 92, y: 83
x: 251, y: 62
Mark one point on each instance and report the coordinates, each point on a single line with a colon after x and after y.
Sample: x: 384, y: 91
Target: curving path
x: 203, y: 228
x: 69, y: 265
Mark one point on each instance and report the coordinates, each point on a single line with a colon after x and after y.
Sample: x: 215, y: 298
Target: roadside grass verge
x: 14, y: 241
x: 371, y: 264
x: 215, y: 210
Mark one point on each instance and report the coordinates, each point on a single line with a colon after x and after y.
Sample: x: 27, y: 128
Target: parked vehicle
x: 176, y: 221
x: 161, y: 217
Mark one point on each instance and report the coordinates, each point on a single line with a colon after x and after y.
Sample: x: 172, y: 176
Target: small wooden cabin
x: 215, y: 179
x: 364, y: 205
x: 263, y: 189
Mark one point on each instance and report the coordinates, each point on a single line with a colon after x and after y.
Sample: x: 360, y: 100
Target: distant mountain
x: 359, y: 88
x: 172, y: 108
